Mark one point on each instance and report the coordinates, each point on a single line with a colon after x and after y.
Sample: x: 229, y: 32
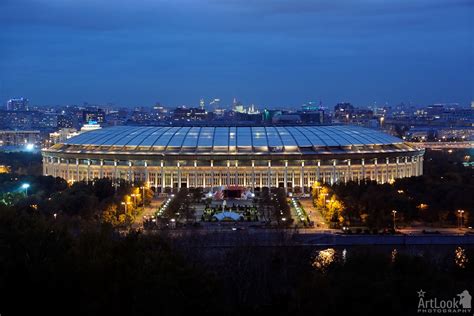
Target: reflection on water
x: 460, y: 257
x: 394, y: 254
x: 438, y: 255
x: 323, y: 259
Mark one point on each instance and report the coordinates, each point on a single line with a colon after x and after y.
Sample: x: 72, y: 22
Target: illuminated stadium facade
x: 293, y: 157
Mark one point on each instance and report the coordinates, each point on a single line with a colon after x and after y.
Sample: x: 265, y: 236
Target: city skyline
x: 283, y: 54
x: 228, y: 104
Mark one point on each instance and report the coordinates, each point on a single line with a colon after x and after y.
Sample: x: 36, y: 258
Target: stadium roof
x: 229, y: 139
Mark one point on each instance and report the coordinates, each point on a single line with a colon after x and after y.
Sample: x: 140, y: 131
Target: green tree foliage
x: 334, y: 210
x: 45, y: 267
x: 445, y: 187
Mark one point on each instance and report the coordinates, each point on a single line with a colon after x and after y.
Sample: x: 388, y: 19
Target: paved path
x: 313, y: 213
x: 148, y: 212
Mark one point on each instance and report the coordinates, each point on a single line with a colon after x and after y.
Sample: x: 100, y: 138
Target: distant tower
x: 215, y: 102
x: 201, y: 104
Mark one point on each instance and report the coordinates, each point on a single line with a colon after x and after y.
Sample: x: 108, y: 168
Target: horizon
x: 228, y: 105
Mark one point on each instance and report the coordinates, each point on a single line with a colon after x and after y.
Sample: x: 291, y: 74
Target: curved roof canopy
x: 230, y: 139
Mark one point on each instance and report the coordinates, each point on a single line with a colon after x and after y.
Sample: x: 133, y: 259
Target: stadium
x: 239, y: 157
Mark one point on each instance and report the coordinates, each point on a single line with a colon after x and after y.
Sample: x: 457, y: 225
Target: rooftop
x: 227, y: 139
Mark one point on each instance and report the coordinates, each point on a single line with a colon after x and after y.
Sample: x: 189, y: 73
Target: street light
x: 394, y: 215
x: 25, y: 187
x: 324, y: 199
x: 318, y: 187
x: 461, y: 218
x: 125, y: 205
x: 143, y: 197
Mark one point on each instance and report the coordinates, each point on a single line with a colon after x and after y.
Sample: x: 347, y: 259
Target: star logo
x: 421, y: 293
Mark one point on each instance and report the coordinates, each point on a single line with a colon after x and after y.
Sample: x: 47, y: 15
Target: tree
x: 322, y: 197
x: 334, y: 211
x: 110, y: 215
x: 315, y: 189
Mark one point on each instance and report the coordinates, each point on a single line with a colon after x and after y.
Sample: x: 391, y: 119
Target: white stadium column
x: 333, y: 176
x: 195, y: 174
x: 318, y: 171
x: 269, y: 175
x: 130, y: 171
x: 88, y: 170
x: 421, y: 166
x: 162, y: 177
x: 228, y: 173
x: 253, y: 175
x: 349, y: 171
x: 101, y: 168
x: 302, y: 176
x: 376, y: 170
x: 405, y: 169
x: 212, y: 174
x: 413, y: 166
x: 236, y: 174
x: 67, y: 170
x: 147, y: 176
x: 397, y: 170
x: 179, y: 175
x: 77, y: 169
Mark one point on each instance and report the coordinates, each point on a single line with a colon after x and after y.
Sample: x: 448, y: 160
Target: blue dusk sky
x: 267, y: 52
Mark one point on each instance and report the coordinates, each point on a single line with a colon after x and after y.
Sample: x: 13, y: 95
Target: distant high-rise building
x: 201, y: 104
x: 215, y: 103
x: 194, y: 114
x: 62, y: 135
x: 311, y: 106
x: 343, y: 110
x: 65, y: 121
x: 19, y: 104
x: 94, y: 116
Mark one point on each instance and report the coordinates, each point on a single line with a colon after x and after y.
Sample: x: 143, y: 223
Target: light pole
x: 25, y: 187
x: 318, y: 187
x: 134, y: 199
x: 143, y: 196
x: 461, y: 218
x: 394, y: 215
x: 125, y: 205
x: 324, y: 199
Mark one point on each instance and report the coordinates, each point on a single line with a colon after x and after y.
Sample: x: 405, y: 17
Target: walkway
x: 147, y: 213
x: 314, y: 214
